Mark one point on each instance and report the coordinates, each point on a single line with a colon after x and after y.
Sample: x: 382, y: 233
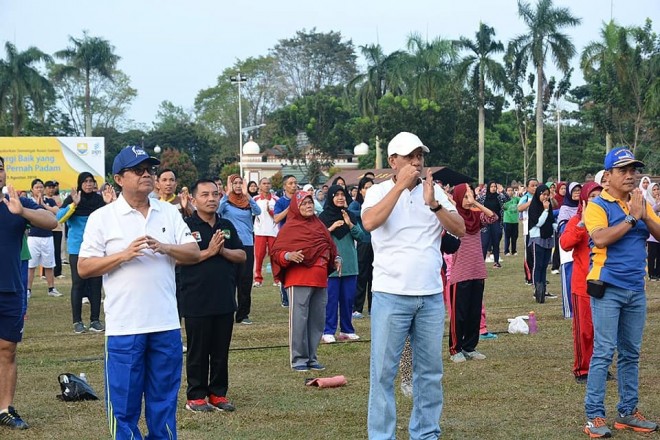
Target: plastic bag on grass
x: 75, y: 389
x: 518, y: 325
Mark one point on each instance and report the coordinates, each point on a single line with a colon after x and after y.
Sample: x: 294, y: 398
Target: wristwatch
x: 632, y: 221
x: 437, y: 208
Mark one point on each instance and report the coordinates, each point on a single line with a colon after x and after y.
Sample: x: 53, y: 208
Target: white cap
x: 599, y: 177
x: 405, y: 143
x: 307, y: 187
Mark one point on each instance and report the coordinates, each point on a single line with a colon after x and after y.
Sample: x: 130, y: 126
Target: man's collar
x: 124, y: 208
x: 610, y: 198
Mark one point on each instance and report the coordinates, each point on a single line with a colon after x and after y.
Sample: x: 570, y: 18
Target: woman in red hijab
x: 303, y: 255
x: 467, y: 278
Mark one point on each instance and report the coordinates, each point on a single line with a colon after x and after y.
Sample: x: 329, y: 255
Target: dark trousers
x: 57, y: 240
x: 529, y: 260
x: 244, y: 287
x: 654, y: 259
x: 207, y: 359
x: 466, y: 298
x: 491, y: 235
x: 365, y: 254
x: 510, y: 237
x: 541, y: 258
x: 555, y: 254
x: 90, y: 287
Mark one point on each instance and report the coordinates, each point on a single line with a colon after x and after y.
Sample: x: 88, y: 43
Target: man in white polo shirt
x: 134, y: 243
x: 406, y: 217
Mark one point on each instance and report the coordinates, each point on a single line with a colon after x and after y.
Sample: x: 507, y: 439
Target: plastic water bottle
x: 533, y: 326
x: 83, y: 376
x: 269, y: 268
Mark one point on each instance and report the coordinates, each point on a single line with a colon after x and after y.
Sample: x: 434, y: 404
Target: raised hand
x: 636, y: 204
x: 335, y: 225
x: 156, y: 246
x: 429, y: 188
x: 109, y: 194
x: 217, y: 243
x: 135, y: 249
x: 13, y: 203
x: 407, y: 176
x: 75, y: 196
x: 347, y: 218
x: 185, y: 197
x: 546, y: 204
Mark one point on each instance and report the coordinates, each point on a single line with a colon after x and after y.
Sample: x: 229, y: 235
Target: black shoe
x: 610, y: 376
x: 582, y: 379
x: 550, y: 295
x: 12, y: 419
x: 539, y: 293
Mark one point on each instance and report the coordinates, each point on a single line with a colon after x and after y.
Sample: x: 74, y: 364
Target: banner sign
x: 52, y: 158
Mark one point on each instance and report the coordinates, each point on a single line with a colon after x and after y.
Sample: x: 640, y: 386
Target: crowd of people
x: 404, y: 247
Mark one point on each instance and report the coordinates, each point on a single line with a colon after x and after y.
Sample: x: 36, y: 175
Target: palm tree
x: 20, y: 82
x: 382, y: 76
x: 480, y: 67
x: 428, y: 66
x: 544, y: 36
x: 87, y: 55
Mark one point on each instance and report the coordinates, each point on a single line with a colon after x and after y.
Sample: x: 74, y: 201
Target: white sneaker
x: 490, y: 259
x: 406, y: 389
x: 328, y: 339
x: 54, y: 292
x: 474, y: 355
x: 257, y: 284
x: 348, y: 337
x: 555, y: 272
x: 458, y: 357
x: 85, y: 300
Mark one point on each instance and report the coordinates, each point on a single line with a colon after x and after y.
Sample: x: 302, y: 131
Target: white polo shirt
x: 407, y: 258
x: 140, y: 295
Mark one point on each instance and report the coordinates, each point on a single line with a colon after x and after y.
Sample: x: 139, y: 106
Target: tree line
x: 486, y: 107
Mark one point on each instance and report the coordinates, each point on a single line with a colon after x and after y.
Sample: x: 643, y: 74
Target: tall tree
x: 85, y: 56
x: 311, y: 61
x: 479, y: 67
x: 545, y: 23
x: 22, y: 85
x: 428, y: 66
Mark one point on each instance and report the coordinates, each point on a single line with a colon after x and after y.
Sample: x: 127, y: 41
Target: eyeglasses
x: 139, y: 170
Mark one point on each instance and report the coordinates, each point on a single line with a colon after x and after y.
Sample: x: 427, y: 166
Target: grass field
x: 524, y: 390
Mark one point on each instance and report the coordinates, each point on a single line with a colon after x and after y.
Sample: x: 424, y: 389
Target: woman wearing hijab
x: 344, y: 231
x: 466, y: 281
x: 75, y: 212
x: 491, y: 234
x: 302, y: 256
x: 560, y: 193
x: 541, y: 239
x: 652, y: 196
x: 238, y: 208
x: 644, y: 183
x: 341, y: 182
x: 575, y: 239
x: 253, y: 188
x: 365, y: 253
x: 568, y: 209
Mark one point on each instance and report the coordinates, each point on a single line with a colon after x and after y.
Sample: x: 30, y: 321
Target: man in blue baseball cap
x: 618, y: 221
x: 134, y: 243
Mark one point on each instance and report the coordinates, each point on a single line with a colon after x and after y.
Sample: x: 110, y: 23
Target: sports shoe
x: 199, y: 405
x: 54, y: 292
x: 515, y: 254
x: 497, y: 265
x: 357, y: 315
x: 490, y: 259
x: 79, y: 327
x: 554, y: 272
x: 348, y: 337
x: 328, y: 339
x: 597, y: 428
x: 286, y: 306
x: 96, y: 326
x: 507, y: 254
x: 458, y: 357
x: 246, y: 321
x: 85, y: 300
x: 488, y: 335
x: 549, y: 295
x: 582, y: 379
x: 406, y: 389
x: 474, y: 355
x: 12, y: 419
x: 185, y: 349
x: 634, y: 421
x: 316, y: 366
x: 257, y: 284
x: 300, y: 368
x: 221, y: 403
x: 277, y: 284
x: 60, y: 277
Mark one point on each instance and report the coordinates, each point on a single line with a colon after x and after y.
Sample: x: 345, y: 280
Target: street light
x: 238, y: 79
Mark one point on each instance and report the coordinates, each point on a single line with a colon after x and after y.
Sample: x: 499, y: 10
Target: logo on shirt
x: 197, y: 236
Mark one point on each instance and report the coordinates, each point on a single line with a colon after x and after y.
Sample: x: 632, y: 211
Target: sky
x: 171, y: 49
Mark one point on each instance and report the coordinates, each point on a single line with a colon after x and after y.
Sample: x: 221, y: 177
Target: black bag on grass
x: 75, y: 389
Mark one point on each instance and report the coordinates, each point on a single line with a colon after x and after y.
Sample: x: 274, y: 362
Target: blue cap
x: 129, y: 157
x: 621, y: 157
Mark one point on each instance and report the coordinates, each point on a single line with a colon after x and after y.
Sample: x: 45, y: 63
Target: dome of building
x: 251, y: 147
x: 361, y: 149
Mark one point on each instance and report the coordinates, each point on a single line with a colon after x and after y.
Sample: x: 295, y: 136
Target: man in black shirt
x: 208, y: 301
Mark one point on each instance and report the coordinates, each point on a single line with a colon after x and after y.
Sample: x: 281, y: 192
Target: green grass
x: 524, y: 390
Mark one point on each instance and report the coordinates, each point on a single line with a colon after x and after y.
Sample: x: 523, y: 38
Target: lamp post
x: 238, y: 79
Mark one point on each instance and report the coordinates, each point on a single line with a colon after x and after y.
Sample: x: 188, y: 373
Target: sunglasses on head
x: 139, y: 170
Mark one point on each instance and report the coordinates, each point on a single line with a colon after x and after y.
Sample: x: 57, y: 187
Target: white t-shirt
x: 524, y: 214
x: 407, y: 258
x: 140, y: 295
x: 264, y: 224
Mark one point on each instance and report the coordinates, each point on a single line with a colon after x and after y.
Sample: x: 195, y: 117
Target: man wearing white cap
x: 406, y: 217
